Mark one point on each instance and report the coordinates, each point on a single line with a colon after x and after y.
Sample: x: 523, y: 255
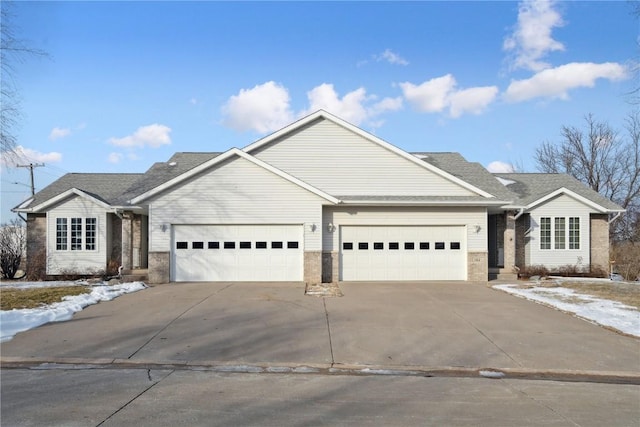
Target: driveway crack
x: 178, y: 317
x: 326, y: 314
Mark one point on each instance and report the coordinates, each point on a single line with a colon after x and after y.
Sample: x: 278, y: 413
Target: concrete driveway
x: 390, y: 325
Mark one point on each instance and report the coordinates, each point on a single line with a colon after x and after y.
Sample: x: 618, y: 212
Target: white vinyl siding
x: 568, y: 246
x: 76, y: 237
x: 342, y: 163
x: 235, y: 192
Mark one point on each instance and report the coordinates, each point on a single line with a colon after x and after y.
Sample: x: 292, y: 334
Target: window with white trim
x: 61, y: 234
x: 556, y: 237
x: 81, y: 230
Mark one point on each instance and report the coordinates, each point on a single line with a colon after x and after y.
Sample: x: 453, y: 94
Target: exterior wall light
x: 331, y: 228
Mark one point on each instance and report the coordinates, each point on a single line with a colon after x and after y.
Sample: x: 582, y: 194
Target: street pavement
x: 266, y: 354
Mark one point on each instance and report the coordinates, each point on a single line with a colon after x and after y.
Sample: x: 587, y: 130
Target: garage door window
x: 182, y: 245
x: 276, y: 245
x: 261, y: 245
x: 394, y: 246
x: 347, y: 246
x: 245, y: 245
x: 455, y: 245
x: 439, y: 245
x: 197, y: 245
x: 229, y: 245
x: 363, y: 246
x: 409, y: 246
x: 424, y: 245
x: 213, y: 245
x: 292, y: 245
x: 378, y: 246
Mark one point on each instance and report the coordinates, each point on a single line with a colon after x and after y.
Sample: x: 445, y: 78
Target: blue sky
x: 127, y: 84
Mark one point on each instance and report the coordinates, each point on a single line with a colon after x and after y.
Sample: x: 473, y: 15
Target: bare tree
x: 12, y: 246
x: 12, y: 51
x: 606, y: 161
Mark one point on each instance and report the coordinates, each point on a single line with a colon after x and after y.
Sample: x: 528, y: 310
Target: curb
x: 608, y: 377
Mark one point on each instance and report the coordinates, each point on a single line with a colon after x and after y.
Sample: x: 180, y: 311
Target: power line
x: 31, y: 166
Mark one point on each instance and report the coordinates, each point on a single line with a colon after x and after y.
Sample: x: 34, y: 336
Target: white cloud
x: 474, y: 100
x: 154, y: 136
x: 440, y: 93
x: 500, y: 167
x: 114, y: 157
x: 391, y: 58
x: 27, y: 155
x: 354, y: 107
x: 57, y: 133
x: 264, y: 108
x: 556, y: 82
x: 531, y: 39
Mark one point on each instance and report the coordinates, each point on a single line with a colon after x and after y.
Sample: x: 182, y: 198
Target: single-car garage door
x: 403, y: 253
x: 263, y: 253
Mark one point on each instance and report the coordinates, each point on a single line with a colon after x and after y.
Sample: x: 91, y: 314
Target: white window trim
x: 552, y: 221
x: 83, y: 234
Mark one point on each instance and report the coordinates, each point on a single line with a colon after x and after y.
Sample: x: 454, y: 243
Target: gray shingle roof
x: 162, y: 172
x: 530, y: 187
x: 107, y: 187
x: 473, y: 173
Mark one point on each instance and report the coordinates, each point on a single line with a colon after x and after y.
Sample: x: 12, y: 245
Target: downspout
x: 615, y: 217
x: 519, y: 214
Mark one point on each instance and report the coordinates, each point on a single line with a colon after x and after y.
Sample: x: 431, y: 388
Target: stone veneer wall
x: 312, y: 267
x: 36, y: 239
x: 522, y: 225
x: 330, y: 267
x: 477, y: 266
x: 159, y: 267
x: 136, y: 240
x: 599, y: 241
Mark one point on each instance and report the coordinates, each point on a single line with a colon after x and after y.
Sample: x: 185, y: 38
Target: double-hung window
x: 553, y: 234
x: 76, y: 234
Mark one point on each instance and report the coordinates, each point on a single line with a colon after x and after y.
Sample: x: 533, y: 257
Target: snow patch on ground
x: 603, y: 312
x: 19, y: 320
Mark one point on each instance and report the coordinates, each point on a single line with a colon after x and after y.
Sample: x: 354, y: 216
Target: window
x: 182, y: 245
x: 559, y: 233
x: 76, y: 234
x: 213, y: 245
x: 261, y: 245
x: 276, y: 245
x: 245, y: 245
x: 424, y: 246
x: 409, y: 246
x: 229, y: 245
x: 545, y: 233
x: 347, y: 246
x: 454, y: 245
x: 378, y: 246
x: 363, y: 246
x: 561, y: 228
x: 197, y: 245
x: 574, y: 233
x: 90, y: 234
x: 439, y: 246
x: 394, y: 246
x: 61, y: 234
x: 292, y: 245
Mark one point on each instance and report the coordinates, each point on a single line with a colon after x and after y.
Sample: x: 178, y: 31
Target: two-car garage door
x: 237, y: 253
x: 369, y: 253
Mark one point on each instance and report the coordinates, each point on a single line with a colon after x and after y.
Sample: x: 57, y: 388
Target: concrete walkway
x: 442, y: 328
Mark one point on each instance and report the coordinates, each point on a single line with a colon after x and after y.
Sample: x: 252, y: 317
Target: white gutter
x: 615, y: 217
x: 519, y: 214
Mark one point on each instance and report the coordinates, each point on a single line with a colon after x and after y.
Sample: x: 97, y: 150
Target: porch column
x: 509, y: 241
x: 127, y: 250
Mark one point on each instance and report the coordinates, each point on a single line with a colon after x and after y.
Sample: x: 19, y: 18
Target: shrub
x: 534, y: 270
x: 626, y: 258
x: 12, y: 245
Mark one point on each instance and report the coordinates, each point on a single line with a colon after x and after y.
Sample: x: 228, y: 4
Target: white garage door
x: 403, y: 253
x: 263, y: 253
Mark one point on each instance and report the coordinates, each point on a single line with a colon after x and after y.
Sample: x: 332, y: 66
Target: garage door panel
x: 402, y: 253
x: 237, y: 253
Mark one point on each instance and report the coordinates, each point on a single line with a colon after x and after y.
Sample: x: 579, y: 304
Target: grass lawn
x: 11, y: 298
x: 625, y: 293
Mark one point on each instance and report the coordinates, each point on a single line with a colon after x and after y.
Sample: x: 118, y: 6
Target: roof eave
x: 438, y: 203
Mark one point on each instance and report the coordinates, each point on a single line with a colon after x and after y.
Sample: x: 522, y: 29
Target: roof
x: 470, y: 172
x: 163, y: 172
x: 533, y: 187
x: 106, y: 187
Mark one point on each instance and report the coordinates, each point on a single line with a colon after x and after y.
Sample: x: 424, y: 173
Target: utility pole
x: 31, y: 166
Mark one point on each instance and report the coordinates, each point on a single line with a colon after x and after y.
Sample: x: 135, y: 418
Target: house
x: 319, y: 200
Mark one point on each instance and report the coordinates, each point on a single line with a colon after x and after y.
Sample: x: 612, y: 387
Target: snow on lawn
x: 601, y: 311
x: 19, y: 320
